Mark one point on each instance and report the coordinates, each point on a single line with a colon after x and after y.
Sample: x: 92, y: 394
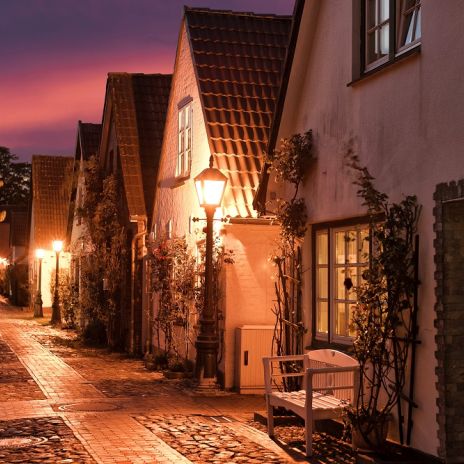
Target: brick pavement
x: 108, y: 401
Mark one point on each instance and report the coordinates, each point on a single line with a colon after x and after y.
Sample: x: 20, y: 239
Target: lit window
x: 390, y: 28
x: 340, y: 258
x: 184, y: 147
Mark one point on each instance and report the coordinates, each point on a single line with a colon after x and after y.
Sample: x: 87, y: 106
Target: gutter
x: 137, y: 220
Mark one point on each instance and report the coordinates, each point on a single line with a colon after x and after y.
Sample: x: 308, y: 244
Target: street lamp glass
x: 210, y: 185
x: 39, y: 253
x: 57, y: 245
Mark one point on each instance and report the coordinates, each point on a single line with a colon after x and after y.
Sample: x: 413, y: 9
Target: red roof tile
x: 51, y: 192
x: 140, y: 103
x: 239, y: 61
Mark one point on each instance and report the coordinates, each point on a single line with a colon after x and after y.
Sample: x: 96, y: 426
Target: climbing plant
x: 383, y: 318
x: 106, y: 255
x: 290, y: 164
x: 177, y: 283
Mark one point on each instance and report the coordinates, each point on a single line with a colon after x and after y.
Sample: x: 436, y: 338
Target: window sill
x: 413, y: 51
x: 181, y: 180
x: 321, y: 344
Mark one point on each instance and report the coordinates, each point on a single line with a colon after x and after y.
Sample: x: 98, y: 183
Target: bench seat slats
x: 331, y: 377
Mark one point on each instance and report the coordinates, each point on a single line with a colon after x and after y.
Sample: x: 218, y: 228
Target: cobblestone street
x: 68, y: 404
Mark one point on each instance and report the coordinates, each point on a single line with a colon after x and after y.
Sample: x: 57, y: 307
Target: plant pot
x: 374, y: 440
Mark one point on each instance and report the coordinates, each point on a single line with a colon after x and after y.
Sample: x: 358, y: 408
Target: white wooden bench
x: 329, y: 382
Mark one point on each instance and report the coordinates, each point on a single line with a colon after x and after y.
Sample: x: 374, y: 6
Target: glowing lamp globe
x: 39, y: 253
x: 210, y: 185
x: 57, y: 245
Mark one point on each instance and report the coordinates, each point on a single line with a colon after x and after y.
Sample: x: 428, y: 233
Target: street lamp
x: 38, y: 311
x: 56, y: 314
x: 210, y: 185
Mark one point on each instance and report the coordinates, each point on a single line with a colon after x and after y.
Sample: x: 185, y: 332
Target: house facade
x: 87, y: 145
x: 132, y: 129
x: 383, y: 79
x: 51, y: 194
x: 226, y: 80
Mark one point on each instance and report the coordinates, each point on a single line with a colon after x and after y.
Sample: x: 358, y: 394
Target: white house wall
x: 406, y: 122
x: 249, y: 285
x: 177, y: 201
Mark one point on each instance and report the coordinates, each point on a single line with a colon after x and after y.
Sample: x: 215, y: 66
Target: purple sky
x: 55, y: 55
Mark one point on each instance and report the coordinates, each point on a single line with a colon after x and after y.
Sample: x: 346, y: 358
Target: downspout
x: 135, y: 238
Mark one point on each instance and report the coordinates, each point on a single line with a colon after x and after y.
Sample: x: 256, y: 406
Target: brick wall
x: 449, y: 275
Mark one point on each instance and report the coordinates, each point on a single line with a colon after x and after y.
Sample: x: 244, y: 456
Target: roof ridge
x: 188, y: 9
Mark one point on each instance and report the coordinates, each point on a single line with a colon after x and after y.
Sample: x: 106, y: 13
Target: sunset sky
x: 55, y: 56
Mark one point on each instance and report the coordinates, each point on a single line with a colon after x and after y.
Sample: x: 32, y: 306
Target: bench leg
x: 270, y: 418
x: 309, y: 435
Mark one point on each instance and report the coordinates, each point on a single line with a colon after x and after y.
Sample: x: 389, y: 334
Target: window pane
x: 187, y: 116
x: 322, y: 313
x: 352, y: 273
x: 340, y: 275
x: 418, y: 34
x: 340, y: 247
x: 384, y: 10
x: 351, y: 331
x: 352, y: 246
x: 364, y: 245
x: 322, y: 248
x: 384, y: 40
x: 322, y: 283
x: 371, y: 17
x: 341, y: 319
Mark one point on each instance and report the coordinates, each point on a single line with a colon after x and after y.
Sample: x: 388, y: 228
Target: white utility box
x: 252, y: 342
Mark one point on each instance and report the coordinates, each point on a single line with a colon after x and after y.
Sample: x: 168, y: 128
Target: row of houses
x: 380, y: 79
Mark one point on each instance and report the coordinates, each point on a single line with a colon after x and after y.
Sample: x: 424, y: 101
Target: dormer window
x: 184, y: 140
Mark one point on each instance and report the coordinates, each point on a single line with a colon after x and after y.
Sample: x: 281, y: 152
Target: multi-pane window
x: 341, y: 256
x: 184, y: 141
x: 390, y: 27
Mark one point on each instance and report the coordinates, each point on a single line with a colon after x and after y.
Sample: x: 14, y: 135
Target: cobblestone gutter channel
x: 203, y: 441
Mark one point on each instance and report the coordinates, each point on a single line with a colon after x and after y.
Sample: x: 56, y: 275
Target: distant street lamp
x: 38, y: 311
x: 210, y: 185
x: 56, y: 313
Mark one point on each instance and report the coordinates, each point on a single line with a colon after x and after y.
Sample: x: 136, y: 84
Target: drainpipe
x: 135, y: 238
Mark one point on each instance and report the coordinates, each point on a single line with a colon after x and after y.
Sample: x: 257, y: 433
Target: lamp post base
x: 38, y: 311
x: 56, y: 313
x: 206, y: 365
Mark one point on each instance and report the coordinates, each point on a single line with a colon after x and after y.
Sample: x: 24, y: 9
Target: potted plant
x: 383, y: 319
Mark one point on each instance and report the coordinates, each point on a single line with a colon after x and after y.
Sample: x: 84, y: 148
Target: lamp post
x: 210, y: 185
x: 38, y: 311
x: 56, y: 313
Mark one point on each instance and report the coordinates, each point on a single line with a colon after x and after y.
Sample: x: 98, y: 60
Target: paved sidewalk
x: 117, y: 411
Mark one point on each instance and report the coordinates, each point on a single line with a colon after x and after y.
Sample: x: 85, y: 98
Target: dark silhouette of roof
x: 18, y: 228
x: 51, y: 192
x: 88, y: 140
x: 239, y: 61
x: 139, y: 104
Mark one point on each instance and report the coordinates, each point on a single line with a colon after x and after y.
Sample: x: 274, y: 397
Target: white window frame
x: 184, y: 141
x: 331, y: 336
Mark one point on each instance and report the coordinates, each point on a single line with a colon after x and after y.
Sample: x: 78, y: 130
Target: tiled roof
x: 51, y: 192
x: 18, y: 228
x: 88, y: 139
x: 140, y: 104
x: 239, y: 60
